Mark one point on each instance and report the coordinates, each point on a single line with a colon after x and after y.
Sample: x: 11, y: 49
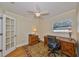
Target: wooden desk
x: 68, y: 47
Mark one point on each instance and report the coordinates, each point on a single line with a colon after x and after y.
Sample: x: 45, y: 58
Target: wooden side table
x: 33, y: 39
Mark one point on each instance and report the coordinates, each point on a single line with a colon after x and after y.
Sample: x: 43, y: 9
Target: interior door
x: 1, y: 35
x: 9, y: 39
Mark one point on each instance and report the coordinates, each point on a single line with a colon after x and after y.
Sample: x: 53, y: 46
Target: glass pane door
x: 12, y: 33
x: 0, y: 35
x: 8, y: 33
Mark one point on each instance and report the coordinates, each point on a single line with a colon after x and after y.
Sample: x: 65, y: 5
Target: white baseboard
x: 21, y: 45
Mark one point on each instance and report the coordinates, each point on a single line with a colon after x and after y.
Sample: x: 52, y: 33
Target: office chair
x: 53, y: 45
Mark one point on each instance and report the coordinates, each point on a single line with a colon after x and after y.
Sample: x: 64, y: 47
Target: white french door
x: 9, y: 34
x: 1, y: 36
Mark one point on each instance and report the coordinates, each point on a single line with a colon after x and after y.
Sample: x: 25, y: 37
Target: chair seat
x: 53, y: 45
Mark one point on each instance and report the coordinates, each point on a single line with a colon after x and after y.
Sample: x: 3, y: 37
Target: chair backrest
x: 52, y: 39
x: 53, y: 42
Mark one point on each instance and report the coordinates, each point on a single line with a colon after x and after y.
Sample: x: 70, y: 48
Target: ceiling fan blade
x: 44, y: 13
x: 30, y: 11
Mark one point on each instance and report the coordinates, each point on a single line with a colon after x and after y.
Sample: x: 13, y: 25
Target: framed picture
x: 64, y: 25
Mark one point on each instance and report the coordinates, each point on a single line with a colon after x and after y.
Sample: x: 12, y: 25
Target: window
x: 64, y: 25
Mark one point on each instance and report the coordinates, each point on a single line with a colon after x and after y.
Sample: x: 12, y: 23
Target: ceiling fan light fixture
x: 37, y: 14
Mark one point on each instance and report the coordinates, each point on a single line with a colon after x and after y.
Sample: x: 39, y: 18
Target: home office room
x: 39, y: 29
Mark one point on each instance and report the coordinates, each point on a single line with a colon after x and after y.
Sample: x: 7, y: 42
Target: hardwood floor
x: 19, y: 52
x: 22, y: 52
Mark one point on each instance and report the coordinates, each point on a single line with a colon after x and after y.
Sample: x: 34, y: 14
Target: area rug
x: 38, y: 50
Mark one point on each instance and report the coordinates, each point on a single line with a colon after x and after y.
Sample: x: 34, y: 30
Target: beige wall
x: 23, y: 26
x: 78, y: 28
x: 46, y: 24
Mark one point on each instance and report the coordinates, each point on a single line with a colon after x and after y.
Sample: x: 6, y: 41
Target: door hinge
x: 0, y: 50
x: 15, y: 35
x: 1, y: 34
x: 1, y: 17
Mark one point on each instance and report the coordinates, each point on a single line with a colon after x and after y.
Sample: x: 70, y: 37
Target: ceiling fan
x: 37, y: 12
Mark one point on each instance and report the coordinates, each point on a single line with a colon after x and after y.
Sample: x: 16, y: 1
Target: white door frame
x: 4, y: 36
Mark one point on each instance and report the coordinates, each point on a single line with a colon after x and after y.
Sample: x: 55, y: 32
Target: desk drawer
x: 67, y: 44
x: 67, y: 48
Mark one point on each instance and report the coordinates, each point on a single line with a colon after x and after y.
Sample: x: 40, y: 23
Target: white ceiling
x: 54, y: 8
